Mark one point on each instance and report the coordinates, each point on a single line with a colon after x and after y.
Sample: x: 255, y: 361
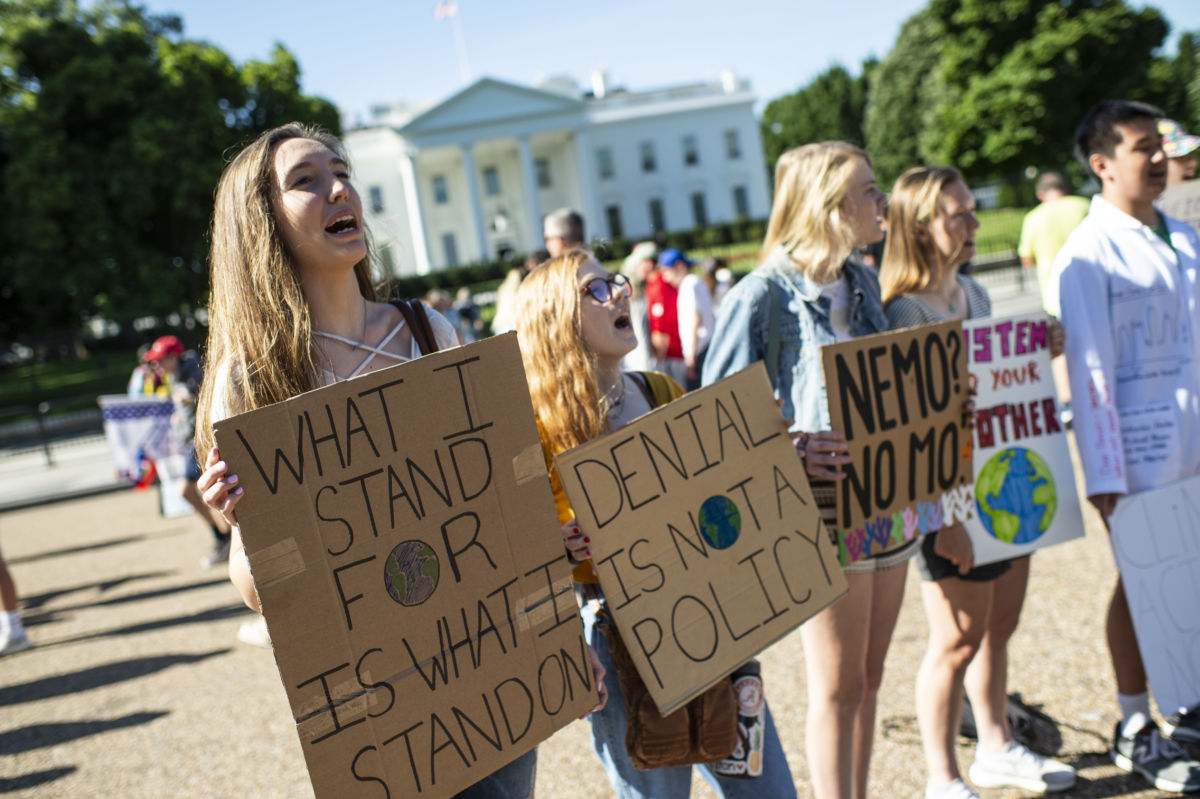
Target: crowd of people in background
x: 603, y: 347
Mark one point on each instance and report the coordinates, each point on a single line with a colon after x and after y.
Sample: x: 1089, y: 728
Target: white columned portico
x: 587, y: 190
x: 533, y: 208
x: 416, y: 219
x: 470, y: 173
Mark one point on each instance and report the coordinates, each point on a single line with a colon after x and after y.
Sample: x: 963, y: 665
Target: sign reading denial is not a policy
x: 705, y: 536
x: 899, y: 397
x: 404, y: 543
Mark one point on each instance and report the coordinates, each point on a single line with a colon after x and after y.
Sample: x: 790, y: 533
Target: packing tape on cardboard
x: 529, y: 464
x: 276, y: 562
x: 539, y: 607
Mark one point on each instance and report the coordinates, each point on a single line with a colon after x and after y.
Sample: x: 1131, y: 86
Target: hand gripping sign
x: 705, y: 536
x: 403, y: 539
x: 899, y: 399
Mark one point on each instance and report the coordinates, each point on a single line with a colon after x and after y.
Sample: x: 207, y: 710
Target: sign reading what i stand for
x: 1024, y: 486
x: 705, y: 536
x: 403, y: 539
x: 899, y: 399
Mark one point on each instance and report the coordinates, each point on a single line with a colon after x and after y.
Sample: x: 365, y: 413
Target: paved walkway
x: 76, y: 468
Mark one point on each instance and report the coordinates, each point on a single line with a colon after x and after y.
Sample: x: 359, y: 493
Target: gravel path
x: 138, y: 688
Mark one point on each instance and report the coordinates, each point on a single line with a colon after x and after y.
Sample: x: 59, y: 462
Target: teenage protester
x: 826, y: 205
x: 972, y: 610
x: 294, y: 307
x: 1125, y: 264
x: 574, y: 326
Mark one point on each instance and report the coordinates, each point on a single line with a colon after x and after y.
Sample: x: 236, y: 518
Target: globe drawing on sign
x: 411, y: 573
x: 720, y: 521
x: 1016, y: 496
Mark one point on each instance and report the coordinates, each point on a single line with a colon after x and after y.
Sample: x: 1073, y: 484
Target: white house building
x: 472, y: 177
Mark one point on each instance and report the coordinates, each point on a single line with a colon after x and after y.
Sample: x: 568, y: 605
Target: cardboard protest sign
x: 403, y: 539
x: 1156, y: 538
x: 705, y: 536
x: 1024, y: 486
x: 1182, y: 201
x: 899, y: 399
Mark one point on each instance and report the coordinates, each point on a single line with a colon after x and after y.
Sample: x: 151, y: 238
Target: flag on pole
x: 445, y: 9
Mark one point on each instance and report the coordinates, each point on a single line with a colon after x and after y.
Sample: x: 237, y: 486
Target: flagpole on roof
x: 449, y: 9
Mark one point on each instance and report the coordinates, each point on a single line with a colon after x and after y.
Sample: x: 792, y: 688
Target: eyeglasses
x: 605, y: 289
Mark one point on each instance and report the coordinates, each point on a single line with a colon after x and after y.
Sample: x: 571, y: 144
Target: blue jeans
x: 514, y: 781
x: 608, y: 739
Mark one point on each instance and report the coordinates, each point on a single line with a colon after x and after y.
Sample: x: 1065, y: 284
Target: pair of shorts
x: 934, y: 567
x: 193, y: 468
x: 883, y: 560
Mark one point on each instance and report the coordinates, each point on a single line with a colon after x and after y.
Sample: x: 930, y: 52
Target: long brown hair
x: 260, y: 347
x: 561, y: 371
x: 910, y: 261
x: 808, y: 217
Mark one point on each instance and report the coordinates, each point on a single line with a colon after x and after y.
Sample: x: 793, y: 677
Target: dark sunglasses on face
x: 604, y: 289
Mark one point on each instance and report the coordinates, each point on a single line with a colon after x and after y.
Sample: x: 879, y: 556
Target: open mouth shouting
x: 623, y: 322
x: 343, y: 223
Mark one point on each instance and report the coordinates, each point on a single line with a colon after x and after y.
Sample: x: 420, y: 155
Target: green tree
x: 994, y: 86
x: 113, y: 132
x: 898, y: 99
x: 829, y: 107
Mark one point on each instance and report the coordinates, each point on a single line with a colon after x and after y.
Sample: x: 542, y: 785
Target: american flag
x: 444, y: 9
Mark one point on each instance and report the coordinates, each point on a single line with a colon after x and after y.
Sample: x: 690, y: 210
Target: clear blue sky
x: 357, y: 52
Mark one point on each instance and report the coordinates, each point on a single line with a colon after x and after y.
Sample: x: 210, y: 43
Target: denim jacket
x: 740, y: 336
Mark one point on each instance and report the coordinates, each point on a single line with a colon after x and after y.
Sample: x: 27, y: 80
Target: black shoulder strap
x: 414, y: 315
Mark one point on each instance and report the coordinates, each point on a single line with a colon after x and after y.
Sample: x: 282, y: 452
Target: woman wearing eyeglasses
x: 574, y: 327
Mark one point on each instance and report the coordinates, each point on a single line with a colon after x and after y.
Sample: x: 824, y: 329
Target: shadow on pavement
x: 8, y: 784
x: 1115, y: 785
x: 154, y: 594
x: 35, y: 601
x: 96, y: 677
x: 38, y: 736
x: 213, y: 614
x: 54, y: 553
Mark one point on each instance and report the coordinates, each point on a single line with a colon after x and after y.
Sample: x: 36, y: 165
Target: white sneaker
x: 955, y: 790
x: 254, y: 632
x: 14, y: 645
x: 1018, y: 767
x: 219, y: 554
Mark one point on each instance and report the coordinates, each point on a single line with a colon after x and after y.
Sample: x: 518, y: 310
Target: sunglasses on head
x: 604, y: 289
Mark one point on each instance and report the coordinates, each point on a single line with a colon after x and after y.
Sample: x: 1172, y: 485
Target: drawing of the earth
x: 1016, y: 496
x: 720, y: 521
x: 411, y: 573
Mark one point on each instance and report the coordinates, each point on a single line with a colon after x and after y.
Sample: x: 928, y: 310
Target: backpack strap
x: 658, y: 389
x: 417, y: 320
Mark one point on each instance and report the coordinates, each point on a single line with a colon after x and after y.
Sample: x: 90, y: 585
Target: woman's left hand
x: 954, y: 545
x: 598, y: 672
x: 1058, y: 338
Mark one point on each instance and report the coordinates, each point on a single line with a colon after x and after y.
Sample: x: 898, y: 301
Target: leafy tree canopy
x: 113, y: 131
x: 830, y: 107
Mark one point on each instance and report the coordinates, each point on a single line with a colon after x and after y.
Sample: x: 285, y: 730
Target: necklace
x: 614, y: 405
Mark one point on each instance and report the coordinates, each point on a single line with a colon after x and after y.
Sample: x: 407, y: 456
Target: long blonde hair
x: 809, y: 218
x: 910, y: 260
x: 561, y: 371
x: 259, y: 326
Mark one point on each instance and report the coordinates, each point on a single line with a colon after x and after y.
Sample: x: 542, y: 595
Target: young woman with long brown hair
x: 294, y: 307
x: 972, y: 610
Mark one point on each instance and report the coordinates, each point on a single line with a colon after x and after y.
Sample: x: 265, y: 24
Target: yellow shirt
x: 664, y: 389
x: 1043, y: 233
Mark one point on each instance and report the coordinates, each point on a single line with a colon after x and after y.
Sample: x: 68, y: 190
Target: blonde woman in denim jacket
x: 826, y: 205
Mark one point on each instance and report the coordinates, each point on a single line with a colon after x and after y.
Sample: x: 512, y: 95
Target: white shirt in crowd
x: 1131, y: 310
x: 694, y: 298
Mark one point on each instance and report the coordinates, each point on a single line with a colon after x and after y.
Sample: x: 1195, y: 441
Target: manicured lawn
x: 66, y: 385
x: 999, y: 230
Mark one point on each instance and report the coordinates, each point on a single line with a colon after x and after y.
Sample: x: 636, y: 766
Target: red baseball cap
x: 162, y: 347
